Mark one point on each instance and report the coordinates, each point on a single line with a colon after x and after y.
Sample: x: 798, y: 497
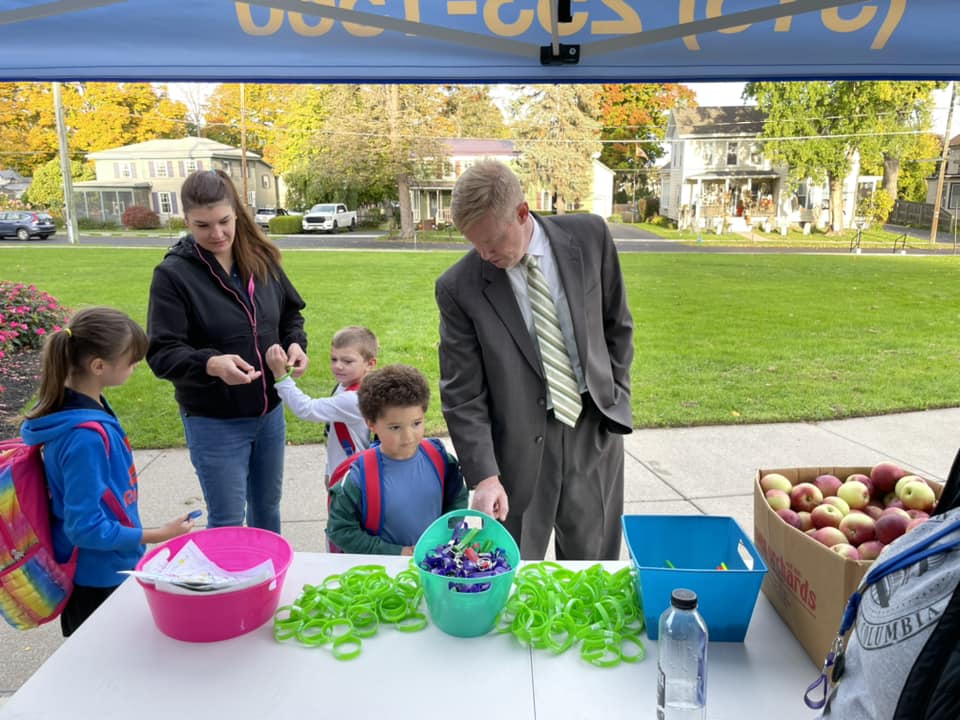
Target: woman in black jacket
x: 218, y: 300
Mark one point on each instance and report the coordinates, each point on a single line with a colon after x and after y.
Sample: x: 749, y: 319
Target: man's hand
x: 277, y: 361
x: 297, y: 360
x: 232, y: 369
x: 489, y: 496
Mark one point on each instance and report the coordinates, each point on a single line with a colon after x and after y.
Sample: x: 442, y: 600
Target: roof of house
x: 725, y: 120
x: 483, y: 147
x: 13, y: 176
x: 188, y: 147
x: 955, y: 140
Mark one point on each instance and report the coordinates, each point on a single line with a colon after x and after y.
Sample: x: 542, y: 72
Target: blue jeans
x: 239, y: 462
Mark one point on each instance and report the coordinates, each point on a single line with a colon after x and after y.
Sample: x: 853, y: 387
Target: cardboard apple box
x: 807, y: 583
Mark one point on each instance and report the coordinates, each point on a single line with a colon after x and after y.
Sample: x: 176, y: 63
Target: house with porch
x: 150, y: 174
x: 431, y: 190
x: 13, y: 184
x: 718, y: 176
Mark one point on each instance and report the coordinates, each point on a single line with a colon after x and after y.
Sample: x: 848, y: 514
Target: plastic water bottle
x: 682, y: 660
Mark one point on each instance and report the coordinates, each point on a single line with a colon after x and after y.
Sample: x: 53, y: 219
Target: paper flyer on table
x: 190, y: 572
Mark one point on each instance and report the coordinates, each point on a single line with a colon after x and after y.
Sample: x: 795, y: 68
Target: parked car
x: 26, y: 224
x: 264, y: 215
x: 329, y: 217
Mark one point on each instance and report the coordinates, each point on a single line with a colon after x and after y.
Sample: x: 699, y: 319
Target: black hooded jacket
x: 197, y: 311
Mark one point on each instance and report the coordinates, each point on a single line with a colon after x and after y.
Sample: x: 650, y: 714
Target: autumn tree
x: 98, y: 116
x: 634, y: 119
x: 263, y: 105
x: 557, y: 138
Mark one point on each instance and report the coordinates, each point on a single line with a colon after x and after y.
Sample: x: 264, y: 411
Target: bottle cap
x: 683, y: 599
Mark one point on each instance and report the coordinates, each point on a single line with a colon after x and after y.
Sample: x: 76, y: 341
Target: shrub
x: 176, y: 223
x: 286, y: 224
x: 91, y: 224
x: 26, y: 316
x: 648, y: 207
x: 876, y: 207
x: 138, y: 217
x: 660, y: 221
x: 615, y: 218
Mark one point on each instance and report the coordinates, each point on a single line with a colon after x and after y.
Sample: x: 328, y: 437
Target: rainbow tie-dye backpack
x: 34, y: 587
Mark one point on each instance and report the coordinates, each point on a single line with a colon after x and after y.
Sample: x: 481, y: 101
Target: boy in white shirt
x: 353, y: 353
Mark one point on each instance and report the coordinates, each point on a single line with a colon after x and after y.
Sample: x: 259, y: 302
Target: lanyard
x: 834, y: 663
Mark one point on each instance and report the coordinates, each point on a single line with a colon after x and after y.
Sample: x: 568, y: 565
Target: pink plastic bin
x: 208, y: 618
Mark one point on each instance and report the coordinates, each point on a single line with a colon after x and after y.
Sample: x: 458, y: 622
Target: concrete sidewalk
x: 671, y: 471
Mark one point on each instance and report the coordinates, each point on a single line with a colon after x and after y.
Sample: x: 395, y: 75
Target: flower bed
x: 26, y: 316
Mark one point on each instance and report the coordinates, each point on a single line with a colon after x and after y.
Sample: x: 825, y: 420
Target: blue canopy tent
x: 477, y: 40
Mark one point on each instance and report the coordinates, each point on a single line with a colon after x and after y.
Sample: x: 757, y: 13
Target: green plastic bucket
x: 466, y: 614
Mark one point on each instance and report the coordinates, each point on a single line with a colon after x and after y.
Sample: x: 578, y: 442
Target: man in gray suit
x: 532, y: 463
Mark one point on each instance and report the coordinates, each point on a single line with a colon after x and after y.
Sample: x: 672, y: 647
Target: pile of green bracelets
x: 553, y: 607
x: 346, y: 608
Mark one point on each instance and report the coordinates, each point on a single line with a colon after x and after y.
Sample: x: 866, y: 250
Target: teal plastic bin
x: 466, y: 614
x: 696, y: 545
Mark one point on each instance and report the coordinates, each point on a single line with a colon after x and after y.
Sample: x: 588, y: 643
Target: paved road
x: 628, y: 239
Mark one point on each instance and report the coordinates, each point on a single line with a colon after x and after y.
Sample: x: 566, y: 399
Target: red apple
x: 790, y: 517
x: 890, y: 526
x: 885, y: 476
x: 918, y: 496
x: 859, y: 528
x: 839, y: 503
x: 873, y: 511
x: 860, y: 477
x: 829, y: 536
x: 777, y: 499
x: 825, y: 515
x: 805, y: 496
x: 806, y: 523
x: 772, y: 481
x: 914, y: 514
x: 846, y: 550
x: 828, y: 484
x: 870, y: 549
x: 855, y: 493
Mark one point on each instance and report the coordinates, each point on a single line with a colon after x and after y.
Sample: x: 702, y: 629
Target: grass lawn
x: 719, y: 338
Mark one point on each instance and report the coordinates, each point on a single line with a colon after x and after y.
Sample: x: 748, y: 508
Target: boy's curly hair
x: 392, y: 386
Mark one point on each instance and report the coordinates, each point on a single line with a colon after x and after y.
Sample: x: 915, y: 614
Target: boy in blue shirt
x: 393, y: 401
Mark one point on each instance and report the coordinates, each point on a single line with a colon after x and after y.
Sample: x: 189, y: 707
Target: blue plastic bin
x: 696, y: 545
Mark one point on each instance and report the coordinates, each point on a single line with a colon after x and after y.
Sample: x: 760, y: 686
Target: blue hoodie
x: 93, y: 496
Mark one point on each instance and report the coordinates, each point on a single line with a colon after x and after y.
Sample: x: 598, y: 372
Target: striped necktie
x: 553, y: 352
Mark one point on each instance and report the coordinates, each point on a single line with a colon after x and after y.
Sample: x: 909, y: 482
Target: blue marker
x: 194, y: 514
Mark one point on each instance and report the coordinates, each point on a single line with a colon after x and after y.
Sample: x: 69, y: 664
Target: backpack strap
x: 434, y: 450
x: 371, y: 483
x: 109, y: 497
x: 341, y: 430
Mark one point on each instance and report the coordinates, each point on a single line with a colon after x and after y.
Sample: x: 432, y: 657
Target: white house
x: 718, y: 175
x: 151, y: 173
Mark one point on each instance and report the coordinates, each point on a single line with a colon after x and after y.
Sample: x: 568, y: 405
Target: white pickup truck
x: 329, y: 217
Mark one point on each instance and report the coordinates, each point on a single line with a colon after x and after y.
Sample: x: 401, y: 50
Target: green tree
x: 816, y: 129
x: 46, y: 190
x: 263, y: 105
x: 557, y: 138
x: 920, y: 164
x: 469, y: 111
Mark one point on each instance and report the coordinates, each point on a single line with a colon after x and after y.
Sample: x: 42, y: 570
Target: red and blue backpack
x: 368, y: 463
x: 34, y: 587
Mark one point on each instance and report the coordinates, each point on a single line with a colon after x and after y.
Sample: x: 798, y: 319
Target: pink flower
x: 41, y: 331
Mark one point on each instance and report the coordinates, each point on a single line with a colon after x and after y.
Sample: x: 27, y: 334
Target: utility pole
x: 943, y: 164
x: 68, y: 211
x: 243, y: 142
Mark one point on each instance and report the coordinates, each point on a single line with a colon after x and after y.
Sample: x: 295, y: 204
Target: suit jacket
x: 492, y: 387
